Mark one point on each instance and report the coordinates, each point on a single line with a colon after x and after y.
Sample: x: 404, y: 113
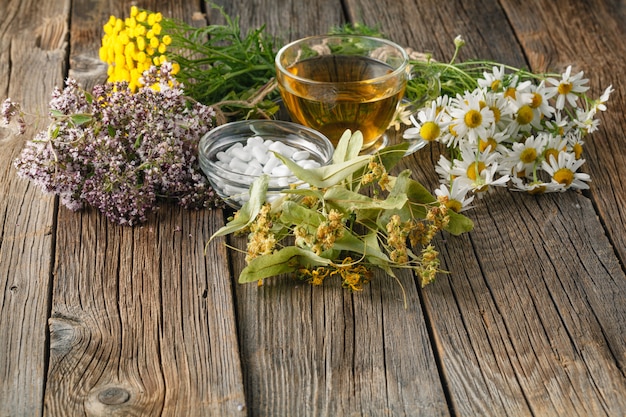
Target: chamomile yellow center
x: 537, y: 190
x: 484, y: 144
x: 565, y: 88
x: 537, y: 100
x: 528, y: 155
x: 496, y: 113
x: 454, y: 205
x: 496, y: 85
x: 578, y: 150
x: 551, y: 153
x: 474, y: 169
x: 510, y: 93
x: 524, y: 115
x: 564, y: 176
x: 430, y: 131
x: 473, y: 118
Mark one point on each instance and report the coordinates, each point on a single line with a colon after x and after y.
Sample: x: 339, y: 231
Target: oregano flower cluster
x: 121, y: 152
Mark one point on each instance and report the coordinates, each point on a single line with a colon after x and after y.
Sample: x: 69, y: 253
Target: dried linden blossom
x: 352, y: 217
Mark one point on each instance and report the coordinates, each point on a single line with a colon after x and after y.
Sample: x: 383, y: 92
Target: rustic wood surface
x: 98, y: 319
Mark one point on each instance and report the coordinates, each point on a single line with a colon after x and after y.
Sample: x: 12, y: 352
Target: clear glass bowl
x: 231, y: 184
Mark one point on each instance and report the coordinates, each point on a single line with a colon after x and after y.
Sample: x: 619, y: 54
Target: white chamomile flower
x: 455, y: 196
x: 524, y: 156
x: 560, y: 124
x: 536, y: 187
x: 470, y: 120
x: 501, y: 108
x: 488, y: 177
x: 444, y: 169
x: 516, y: 91
x: 494, y: 141
x: 476, y: 169
x: 429, y: 124
x: 586, y: 121
x: 600, y: 104
x: 575, y: 144
x: 493, y: 81
x: 525, y: 118
x: 563, y: 171
x: 540, y: 100
x: 554, y: 145
x: 567, y: 88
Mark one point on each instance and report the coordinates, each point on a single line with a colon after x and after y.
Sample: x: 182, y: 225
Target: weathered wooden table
x: 98, y: 319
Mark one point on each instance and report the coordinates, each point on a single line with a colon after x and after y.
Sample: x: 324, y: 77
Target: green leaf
x: 56, y: 113
x: 366, y: 247
x: 138, y: 142
x: 391, y: 155
x: 283, y: 261
x: 248, y: 211
x: 371, y: 240
x: 349, y: 146
x: 328, y: 175
x: 345, y: 198
x: 459, y: 224
x: 294, y: 213
x: 418, y: 197
x: 81, y: 119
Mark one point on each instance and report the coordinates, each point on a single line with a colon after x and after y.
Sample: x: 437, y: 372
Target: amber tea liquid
x: 357, y: 101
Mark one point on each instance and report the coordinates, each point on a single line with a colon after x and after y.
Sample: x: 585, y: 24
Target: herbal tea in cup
x: 338, y: 82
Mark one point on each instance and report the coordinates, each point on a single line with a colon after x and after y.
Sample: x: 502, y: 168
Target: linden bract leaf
x: 286, y: 260
x: 249, y: 210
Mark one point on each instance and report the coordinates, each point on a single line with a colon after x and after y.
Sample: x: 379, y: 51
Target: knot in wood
x: 114, y: 396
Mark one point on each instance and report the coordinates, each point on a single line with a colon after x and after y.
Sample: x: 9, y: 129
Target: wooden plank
x: 325, y: 352
x: 32, y: 38
x: 142, y: 322
x: 322, y: 351
x: 564, y: 40
x: 525, y: 324
x: 289, y: 20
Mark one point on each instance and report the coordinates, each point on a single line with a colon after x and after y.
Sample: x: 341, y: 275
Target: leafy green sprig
x: 431, y: 78
x: 223, y: 68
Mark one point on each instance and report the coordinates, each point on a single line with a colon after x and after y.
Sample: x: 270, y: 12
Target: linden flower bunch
x: 120, y: 152
x: 343, y: 219
x: 516, y: 129
x: 131, y: 46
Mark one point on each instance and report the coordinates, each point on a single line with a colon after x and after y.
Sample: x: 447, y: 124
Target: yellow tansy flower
x: 131, y: 45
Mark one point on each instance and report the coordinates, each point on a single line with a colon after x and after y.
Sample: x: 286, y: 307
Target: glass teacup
x: 337, y: 82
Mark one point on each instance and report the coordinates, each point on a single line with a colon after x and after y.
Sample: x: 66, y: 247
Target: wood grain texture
x: 32, y: 61
x: 514, y: 323
x: 98, y: 319
x: 285, y: 19
x: 322, y: 351
x: 325, y: 352
x: 142, y: 322
x: 587, y: 35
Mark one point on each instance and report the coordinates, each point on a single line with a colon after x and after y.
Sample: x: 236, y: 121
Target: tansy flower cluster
x: 515, y: 129
x: 131, y: 46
